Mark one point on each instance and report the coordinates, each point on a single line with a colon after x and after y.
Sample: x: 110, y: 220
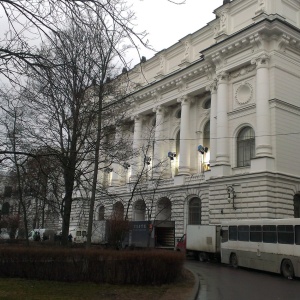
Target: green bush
x: 93, y: 265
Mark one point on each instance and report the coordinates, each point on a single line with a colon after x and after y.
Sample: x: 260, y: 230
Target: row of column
x: 219, y: 127
x: 159, y: 153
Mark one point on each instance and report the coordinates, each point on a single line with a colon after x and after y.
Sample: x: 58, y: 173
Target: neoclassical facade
x: 216, y: 120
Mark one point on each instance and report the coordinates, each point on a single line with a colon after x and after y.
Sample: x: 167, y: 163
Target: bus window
x: 233, y: 233
x: 285, y: 234
x: 297, y: 234
x: 243, y: 233
x: 224, y: 235
x: 269, y: 234
x: 255, y: 233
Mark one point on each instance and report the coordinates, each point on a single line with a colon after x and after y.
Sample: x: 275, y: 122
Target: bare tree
x: 13, y: 145
x: 28, y: 22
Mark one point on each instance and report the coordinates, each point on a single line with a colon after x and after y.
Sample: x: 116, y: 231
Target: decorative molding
x: 242, y: 71
x: 276, y: 103
x: 242, y: 112
x: 244, y: 93
x: 261, y: 7
x: 187, y: 44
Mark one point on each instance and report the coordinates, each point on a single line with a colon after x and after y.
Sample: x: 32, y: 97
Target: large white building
x: 232, y: 87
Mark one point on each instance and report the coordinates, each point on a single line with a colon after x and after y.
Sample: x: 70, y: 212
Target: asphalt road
x: 222, y: 282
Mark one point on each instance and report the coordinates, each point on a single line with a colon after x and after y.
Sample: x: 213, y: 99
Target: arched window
x: 163, y: 209
x: 118, y: 211
x: 245, y: 147
x: 178, y: 114
x: 195, y: 211
x: 101, y: 213
x: 297, y: 206
x: 139, y: 210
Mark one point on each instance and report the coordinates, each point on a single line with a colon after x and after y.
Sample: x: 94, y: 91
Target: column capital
x: 222, y: 77
x: 262, y: 61
x: 137, y: 118
x: 159, y: 109
x: 185, y: 100
x: 213, y: 87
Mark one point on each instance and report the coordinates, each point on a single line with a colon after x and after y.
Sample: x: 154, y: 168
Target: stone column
x: 213, y: 122
x: 137, y: 137
x: 184, y: 156
x: 158, y: 156
x: 222, y: 157
x: 116, y: 178
x: 263, y: 119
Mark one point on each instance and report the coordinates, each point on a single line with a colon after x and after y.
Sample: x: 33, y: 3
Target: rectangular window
x: 78, y: 233
x: 255, y: 233
x: 285, y: 234
x: 297, y: 234
x: 269, y: 234
x: 243, y: 233
x: 233, y: 233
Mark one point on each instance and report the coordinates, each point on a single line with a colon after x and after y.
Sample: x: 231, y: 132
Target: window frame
x: 245, y: 147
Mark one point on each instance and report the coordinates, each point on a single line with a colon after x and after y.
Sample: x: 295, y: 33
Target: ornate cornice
x: 169, y: 84
x: 276, y: 103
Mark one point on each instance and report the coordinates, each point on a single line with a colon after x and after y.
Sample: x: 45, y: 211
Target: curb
x: 196, y: 288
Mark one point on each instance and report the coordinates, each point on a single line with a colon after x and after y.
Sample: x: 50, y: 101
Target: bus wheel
x: 234, y: 260
x: 287, y: 269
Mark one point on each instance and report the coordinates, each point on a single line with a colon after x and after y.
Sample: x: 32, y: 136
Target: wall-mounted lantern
x: 202, y: 149
x: 171, y: 155
x: 231, y: 195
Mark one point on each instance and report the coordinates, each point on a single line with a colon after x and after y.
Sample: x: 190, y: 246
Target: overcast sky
x: 167, y: 23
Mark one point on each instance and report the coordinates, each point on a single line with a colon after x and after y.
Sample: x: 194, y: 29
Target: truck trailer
x: 202, y: 241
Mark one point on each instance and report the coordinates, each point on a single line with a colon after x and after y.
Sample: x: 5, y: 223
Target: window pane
x: 285, y: 234
x: 245, y: 147
x: 255, y: 233
x: 243, y: 233
x: 297, y: 234
x: 269, y: 234
x: 195, y: 211
x: 233, y: 233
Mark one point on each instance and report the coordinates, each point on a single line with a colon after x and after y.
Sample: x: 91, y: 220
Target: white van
x: 78, y: 234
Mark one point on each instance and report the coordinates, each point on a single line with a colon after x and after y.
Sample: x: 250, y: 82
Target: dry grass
x: 15, y: 289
